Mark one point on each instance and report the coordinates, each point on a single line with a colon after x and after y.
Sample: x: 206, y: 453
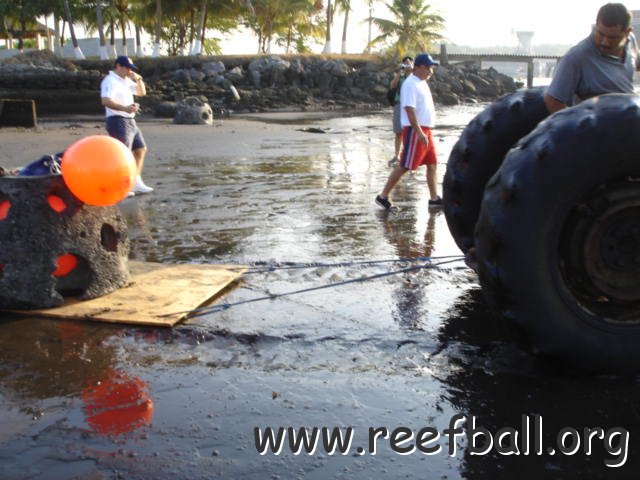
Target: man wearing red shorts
x: 418, y: 118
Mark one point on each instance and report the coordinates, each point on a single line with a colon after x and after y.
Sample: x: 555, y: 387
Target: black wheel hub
x: 600, y: 251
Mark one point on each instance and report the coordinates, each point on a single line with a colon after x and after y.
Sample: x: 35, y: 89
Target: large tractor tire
x: 479, y: 153
x: 558, y: 237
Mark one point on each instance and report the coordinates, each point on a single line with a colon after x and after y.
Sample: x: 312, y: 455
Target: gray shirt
x: 584, y: 72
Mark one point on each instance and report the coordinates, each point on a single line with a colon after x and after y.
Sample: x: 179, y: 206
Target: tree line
x: 196, y: 27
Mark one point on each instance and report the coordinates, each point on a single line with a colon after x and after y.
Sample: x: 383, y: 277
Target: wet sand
x: 88, y: 400
x: 228, y: 137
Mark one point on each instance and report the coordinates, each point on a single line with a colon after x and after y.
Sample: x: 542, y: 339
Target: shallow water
x: 84, y: 400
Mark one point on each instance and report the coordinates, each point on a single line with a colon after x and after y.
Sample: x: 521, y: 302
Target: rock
x: 267, y: 71
x: 193, y: 111
x: 266, y: 82
x: 449, y: 99
x: 340, y: 69
x: 469, y: 88
x: 235, y: 75
x: 211, y: 68
x: 165, y: 109
x: 489, y: 90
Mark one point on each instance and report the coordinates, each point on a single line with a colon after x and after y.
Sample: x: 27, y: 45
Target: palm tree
x: 122, y: 8
x: 300, y: 24
x: 156, y: 42
x: 138, y: 16
x: 76, y: 48
x: 100, y: 23
x: 345, y: 6
x: 370, y: 22
x: 413, y: 28
x: 327, y: 42
x: 197, y: 46
x: 269, y: 20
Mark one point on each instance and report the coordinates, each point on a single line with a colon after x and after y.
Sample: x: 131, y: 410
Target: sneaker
x: 384, y: 202
x: 140, y: 186
x: 393, y: 162
x: 131, y: 194
x: 436, y: 203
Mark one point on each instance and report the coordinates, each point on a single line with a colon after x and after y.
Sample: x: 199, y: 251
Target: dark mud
x: 87, y: 400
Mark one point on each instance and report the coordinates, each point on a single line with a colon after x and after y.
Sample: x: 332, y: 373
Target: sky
x: 477, y: 23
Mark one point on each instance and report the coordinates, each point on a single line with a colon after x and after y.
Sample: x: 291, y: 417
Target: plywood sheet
x: 159, y: 294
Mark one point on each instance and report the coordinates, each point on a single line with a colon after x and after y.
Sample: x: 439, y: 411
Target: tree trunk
x: 99, y: 20
x: 344, y: 28
x: 76, y: 48
x: 139, y: 52
x: 123, y: 26
x: 64, y: 25
x: 112, y: 40
x: 49, y: 39
x: 23, y: 27
x: 156, y: 42
x: 327, y: 43
x: 197, y: 46
x: 369, y: 38
x: 268, y: 37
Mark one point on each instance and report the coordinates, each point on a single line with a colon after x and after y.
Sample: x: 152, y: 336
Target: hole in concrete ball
x: 109, y: 238
x: 65, y: 264
x: 5, y: 206
x: 76, y: 282
x: 56, y: 203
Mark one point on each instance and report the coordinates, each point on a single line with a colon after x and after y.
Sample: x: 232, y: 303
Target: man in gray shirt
x: 603, y: 62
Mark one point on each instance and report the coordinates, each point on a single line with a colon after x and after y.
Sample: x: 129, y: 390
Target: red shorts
x: 414, y: 152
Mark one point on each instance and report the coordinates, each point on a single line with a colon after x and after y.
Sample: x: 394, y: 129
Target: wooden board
x: 159, y: 294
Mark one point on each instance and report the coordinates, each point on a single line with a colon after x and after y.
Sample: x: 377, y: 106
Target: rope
x: 271, y: 267
x: 198, y: 312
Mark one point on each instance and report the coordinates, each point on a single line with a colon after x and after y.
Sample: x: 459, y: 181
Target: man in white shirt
x: 418, y: 117
x: 117, y: 90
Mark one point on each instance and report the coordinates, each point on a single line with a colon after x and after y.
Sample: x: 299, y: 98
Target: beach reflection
x: 45, y: 359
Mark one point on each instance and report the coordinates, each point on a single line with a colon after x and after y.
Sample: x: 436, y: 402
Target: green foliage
x: 287, y: 22
x: 294, y: 25
x: 211, y: 46
x: 412, y: 29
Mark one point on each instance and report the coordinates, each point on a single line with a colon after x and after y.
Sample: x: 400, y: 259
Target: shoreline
x: 240, y: 135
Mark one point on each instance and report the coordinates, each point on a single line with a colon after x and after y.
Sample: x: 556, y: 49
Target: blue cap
x: 125, y: 62
x: 424, y: 59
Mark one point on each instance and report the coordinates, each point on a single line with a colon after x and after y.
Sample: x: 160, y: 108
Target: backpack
x: 45, y: 165
x: 391, y: 96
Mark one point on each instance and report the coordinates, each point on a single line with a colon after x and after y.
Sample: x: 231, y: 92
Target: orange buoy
x: 99, y: 170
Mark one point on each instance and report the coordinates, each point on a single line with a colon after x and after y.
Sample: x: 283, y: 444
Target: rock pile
x: 240, y: 84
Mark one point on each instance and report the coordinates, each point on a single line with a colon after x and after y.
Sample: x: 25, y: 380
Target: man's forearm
x: 553, y: 104
x: 413, y: 120
x: 107, y: 102
x: 141, y: 88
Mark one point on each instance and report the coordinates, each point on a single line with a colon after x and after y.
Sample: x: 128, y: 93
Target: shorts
x: 416, y: 153
x: 397, y: 126
x: 126, y: 130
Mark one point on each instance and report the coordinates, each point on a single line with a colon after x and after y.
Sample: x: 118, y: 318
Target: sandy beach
x: 229, y: 137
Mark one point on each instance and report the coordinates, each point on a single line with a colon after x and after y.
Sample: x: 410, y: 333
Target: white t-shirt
x: 120, y: 90
x: 417, y: 94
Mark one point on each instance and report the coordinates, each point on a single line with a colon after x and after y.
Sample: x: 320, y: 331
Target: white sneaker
x: 131, y: 194
x: 140, y: 186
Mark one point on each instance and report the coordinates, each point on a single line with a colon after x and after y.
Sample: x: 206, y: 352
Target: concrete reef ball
x: 99, y: 170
